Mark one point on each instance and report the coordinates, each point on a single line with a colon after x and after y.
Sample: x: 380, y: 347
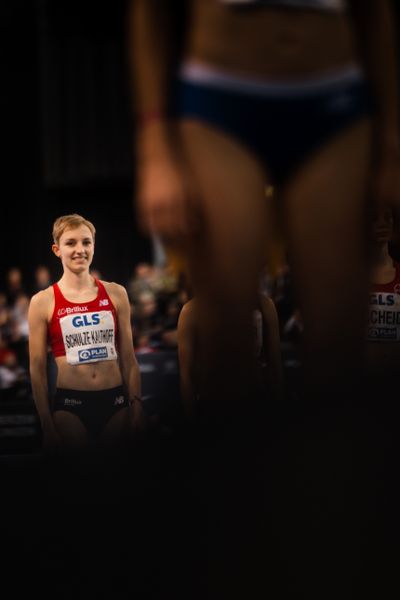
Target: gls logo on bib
x: 382, y: 299
x: 86, y: 320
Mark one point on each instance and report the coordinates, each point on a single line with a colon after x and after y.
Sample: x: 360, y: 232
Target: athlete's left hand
x: 138, y: 421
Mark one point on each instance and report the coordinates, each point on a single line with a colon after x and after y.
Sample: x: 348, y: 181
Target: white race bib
x: 89, y: 337
x: 384, y: 317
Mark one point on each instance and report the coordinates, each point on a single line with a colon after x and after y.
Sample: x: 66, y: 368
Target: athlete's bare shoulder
x: 42, y: 301
x: 114, y: 288
x: 117, y: 293
x: 43, y: 298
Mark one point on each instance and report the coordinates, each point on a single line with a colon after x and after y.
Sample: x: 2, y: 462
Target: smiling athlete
x: 87, y: 324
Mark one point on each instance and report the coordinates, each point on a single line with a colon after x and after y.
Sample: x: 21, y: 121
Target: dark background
x: 66, y: 132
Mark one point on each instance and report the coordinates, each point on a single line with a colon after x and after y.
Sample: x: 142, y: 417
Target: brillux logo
x: 69, y: 311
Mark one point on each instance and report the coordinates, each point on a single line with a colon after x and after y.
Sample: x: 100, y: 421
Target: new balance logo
x: 104, y: 302
x: 119, y: 400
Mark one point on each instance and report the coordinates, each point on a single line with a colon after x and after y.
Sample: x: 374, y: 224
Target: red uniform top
x: 84, y: 332
x: 384, y: 310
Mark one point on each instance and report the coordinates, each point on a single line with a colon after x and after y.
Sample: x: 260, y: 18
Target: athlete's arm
x: 151, y: 29
x: 186, y: 354
x: 160, y: 191
x: 37, y: 319
x: 374, y: 26
x: 272, y: 345
x: 127, y: 360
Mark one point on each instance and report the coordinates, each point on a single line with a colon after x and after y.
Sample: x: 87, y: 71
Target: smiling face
x: 75, y: 248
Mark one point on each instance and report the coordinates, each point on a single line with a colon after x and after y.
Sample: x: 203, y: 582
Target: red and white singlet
x: 84, y: 332
x: 384, y: 310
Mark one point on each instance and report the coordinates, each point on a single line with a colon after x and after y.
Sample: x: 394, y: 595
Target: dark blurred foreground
x: 272, y: 505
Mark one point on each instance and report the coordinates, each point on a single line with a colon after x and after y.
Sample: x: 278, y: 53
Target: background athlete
x: 384, y: 306
x: 266, y: 348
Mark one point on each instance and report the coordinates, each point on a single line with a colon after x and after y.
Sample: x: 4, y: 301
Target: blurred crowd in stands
x: 157, y: 295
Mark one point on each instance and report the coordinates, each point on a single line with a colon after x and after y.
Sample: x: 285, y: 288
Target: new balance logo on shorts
x: 119, y: 400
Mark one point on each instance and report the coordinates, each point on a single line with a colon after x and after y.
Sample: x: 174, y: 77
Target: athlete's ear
x: 56, y: 250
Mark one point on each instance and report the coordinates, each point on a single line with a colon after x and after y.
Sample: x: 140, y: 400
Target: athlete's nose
x: 80, y: 250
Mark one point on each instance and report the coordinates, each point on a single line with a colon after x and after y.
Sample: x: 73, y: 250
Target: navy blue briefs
x: 282, y: 123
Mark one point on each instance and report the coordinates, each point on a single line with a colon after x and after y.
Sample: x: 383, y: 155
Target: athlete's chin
x: 80, y: 267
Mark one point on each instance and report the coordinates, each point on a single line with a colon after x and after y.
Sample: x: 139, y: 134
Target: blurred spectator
x: 266, y: 282
x: 4, y: 349
x: 20, y: 329
x: 42, y: 278
x: 293, y: 328
x: 158, y: 251
x: 14, y: 285
x: 142, y: 344
x: 11, y: 373
x: 146, y: 318
x: 4, y: 316
x: 142, y: 281
x: 169, y: 335
x: 167, y: 280
x: 282, y: 295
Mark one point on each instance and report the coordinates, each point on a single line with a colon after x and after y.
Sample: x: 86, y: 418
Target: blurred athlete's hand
x: 163, y: 199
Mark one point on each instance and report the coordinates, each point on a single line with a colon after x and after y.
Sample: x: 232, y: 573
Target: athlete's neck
x: 77, y: 282
x: 381, y: 257
x: 383, y: 269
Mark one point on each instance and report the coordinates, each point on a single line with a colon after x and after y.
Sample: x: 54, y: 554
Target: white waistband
x: 328, y: 5
x: 201, y: 73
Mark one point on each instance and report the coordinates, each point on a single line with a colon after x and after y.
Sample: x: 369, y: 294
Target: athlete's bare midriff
x: 94, y: 376
x: 268, y: 42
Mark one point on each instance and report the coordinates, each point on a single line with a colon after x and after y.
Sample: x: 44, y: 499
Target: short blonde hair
x: 70, y: 222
